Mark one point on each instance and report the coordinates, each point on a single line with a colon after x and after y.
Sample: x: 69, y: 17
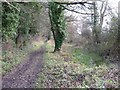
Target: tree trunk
x: 95, y: 30
x: 57, y: 24
x: 118, y: 34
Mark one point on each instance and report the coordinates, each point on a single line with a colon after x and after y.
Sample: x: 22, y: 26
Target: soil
x: 25, y: 74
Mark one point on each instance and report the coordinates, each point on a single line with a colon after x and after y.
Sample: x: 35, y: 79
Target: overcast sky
x: 112, y: 3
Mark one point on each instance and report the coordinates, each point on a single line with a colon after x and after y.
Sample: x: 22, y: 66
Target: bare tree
x: 102, y: 12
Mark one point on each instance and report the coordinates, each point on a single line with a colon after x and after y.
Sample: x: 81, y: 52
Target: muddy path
x: 25, y: 74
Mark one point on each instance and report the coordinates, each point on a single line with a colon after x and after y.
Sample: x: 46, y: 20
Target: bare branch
x: 73, y: 3
x: 76, y: 11
x: 72, y: 20
x: 11, y: 5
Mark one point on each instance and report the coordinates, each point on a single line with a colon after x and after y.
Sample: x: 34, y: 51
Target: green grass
x: 89, y: 64
x: 50, y: 58
x: 11, y: 60
x: 89, y: 59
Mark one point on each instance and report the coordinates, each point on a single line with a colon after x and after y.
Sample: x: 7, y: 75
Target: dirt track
x: 26, y: 73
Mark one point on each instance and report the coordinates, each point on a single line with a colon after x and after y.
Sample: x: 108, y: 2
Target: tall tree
x: 118, y: 35
x: 57, y: 20
x: 96, y: 39
x: 102, y: 12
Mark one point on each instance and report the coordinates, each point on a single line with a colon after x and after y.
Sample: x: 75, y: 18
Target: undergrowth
x: 72, y: 68
x: 89, y: 59
x: 10, y: 59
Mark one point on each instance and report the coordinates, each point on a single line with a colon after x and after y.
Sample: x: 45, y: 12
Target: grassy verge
x: 89, y: 59
x: 71, y: 68
x: 50, y: 60
x: 16, y: 56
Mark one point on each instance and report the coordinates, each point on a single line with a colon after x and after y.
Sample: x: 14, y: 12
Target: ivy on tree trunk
x: 57, y: 20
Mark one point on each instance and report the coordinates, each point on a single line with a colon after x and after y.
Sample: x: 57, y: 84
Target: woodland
x: 60, y: 44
